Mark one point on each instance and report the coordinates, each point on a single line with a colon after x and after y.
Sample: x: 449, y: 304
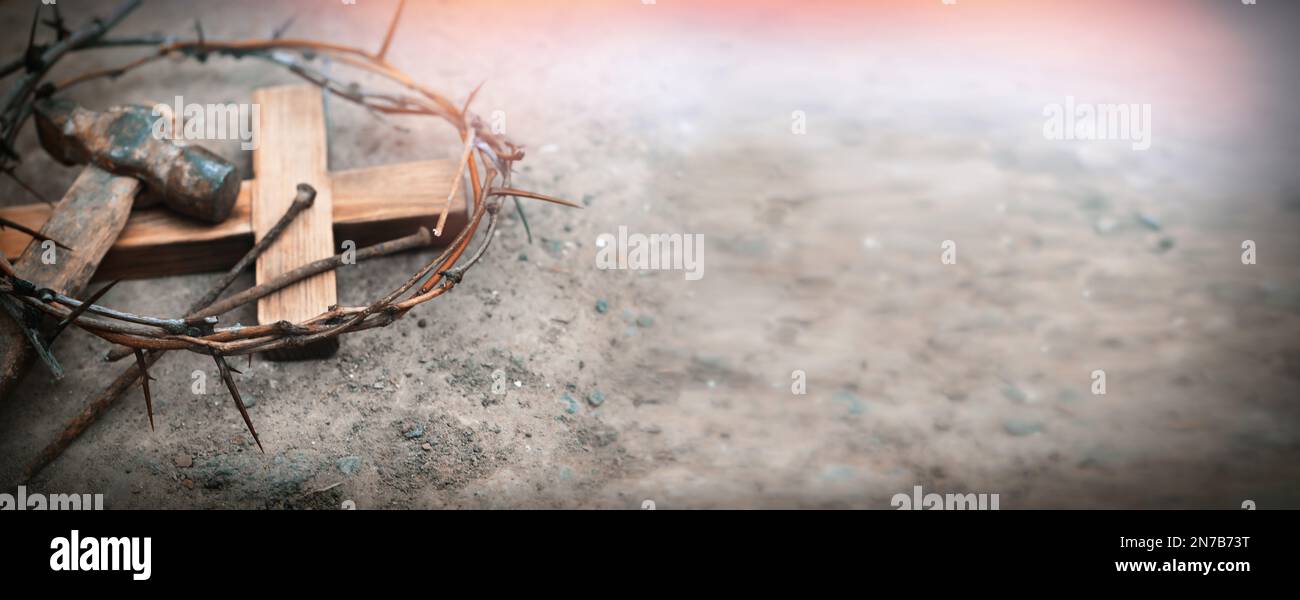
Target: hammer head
x: 126, y: 141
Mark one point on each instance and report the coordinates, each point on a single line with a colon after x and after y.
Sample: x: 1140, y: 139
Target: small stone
x: 602, y: 306
x: 645, y: 321
x: 414, y: 432
x: 1015, y: 394
x: 523, y: 257
x: 349, y: 464
x: 572, y: 405
x: 184, y: 461
x: 188, y: 483
x: 427, y: 447
x: 422, y: 323
x: 1021, y: 427
x: 851, y: 400
x: 596, y: 398
x: 216, y: 476
x: 249, y: 400
x: 1148, y: 221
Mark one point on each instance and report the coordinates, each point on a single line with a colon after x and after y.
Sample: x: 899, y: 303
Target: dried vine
x: 486, y: 157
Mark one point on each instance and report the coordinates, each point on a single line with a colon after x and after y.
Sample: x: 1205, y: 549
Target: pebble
x: 349, y: 464
x: 602, y: 306
x: 572, y: 406
x: 414, y: 432
x: 184, y: 461
x: 427, y: 447
x: 645, y: 321
x: 850, y: 399
x: 422, y: 323
x: 1015, y: 394
x: 955, y: 395
x: 1148, y: 221
x: 1021, y: 427
x: 249, y: 400
x: 596, y: 398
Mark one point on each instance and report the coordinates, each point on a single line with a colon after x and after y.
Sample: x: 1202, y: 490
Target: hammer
x: 124, y: 158
x: 188, y: 179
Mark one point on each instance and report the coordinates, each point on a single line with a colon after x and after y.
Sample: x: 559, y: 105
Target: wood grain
x: 371, y: 205
x: 88, y: 219
x: 292, y: 149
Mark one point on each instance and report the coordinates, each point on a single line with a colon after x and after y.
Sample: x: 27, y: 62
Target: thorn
x: 61, y: 31
x: 33, y: 61
x: 234, y: 393
x: 33, y: 233
x: 201, y: 54
x: 144, y: 382
x: 534, y: 196
x: 77, y: 312
x: 519, y: 208
x: 465, y: 107
x: 278, y: 32
x: 392, y: 29
x: 30, y: 189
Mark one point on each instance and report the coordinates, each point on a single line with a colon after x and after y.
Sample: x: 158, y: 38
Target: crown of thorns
x: 487, y: 157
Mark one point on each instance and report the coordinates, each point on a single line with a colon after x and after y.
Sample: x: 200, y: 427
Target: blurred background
x: 922, y: 123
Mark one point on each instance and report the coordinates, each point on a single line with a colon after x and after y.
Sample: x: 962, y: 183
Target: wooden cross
x: 366, y: 205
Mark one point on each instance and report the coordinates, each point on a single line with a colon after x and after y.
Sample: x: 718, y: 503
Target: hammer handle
x: 88, y: 220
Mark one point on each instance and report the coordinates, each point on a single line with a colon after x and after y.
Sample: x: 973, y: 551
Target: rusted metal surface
x: 188, y: 179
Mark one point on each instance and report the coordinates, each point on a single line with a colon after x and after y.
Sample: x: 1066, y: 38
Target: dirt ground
x: 822, y: 255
